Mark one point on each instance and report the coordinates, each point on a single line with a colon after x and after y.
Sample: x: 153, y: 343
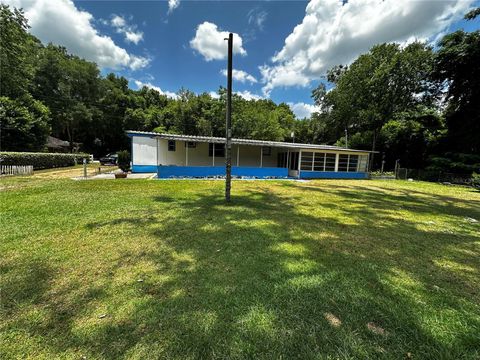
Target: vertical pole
x: 299, y: 162
x: 213, y: 154
x: 337, y: 156
x: 84, y: 168
x: 228, y: 138
x: 238, y: 155
x: 186, y: 153
x: 261, y: 156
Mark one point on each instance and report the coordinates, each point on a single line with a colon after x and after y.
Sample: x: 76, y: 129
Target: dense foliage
x: 412, y: 104
x: 42, y: 160
x: 124, y: 160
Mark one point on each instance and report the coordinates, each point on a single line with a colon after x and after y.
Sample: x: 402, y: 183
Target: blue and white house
x: 177, y: 156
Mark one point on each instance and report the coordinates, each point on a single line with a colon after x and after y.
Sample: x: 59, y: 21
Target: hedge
x: 42, y: 160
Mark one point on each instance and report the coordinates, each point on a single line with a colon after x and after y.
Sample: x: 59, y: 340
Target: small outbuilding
x: 178, y: 156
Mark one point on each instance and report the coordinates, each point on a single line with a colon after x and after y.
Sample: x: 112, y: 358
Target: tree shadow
x: 263, y: 276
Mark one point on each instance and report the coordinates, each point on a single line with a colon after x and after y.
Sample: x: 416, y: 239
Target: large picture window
x: 307, y: 161
x: 342, y: 162
x: 319, y: 162
x: 330, y: 162
x: 219, y: 150
x: 352, y: 163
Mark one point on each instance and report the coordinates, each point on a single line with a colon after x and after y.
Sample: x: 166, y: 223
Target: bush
x: 476, y: 180
x: 124, y: 160
x: 42, y: 160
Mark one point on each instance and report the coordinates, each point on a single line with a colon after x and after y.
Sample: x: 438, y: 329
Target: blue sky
x: 282, y: 48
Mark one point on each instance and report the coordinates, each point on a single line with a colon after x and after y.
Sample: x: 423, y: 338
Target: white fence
x: 16, y: 170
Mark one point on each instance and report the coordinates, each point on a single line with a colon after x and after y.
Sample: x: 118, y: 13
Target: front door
x: 293, y: 164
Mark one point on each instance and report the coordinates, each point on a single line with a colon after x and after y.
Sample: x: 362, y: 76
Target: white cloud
x: 149, y: 85
x: 129, y: 31
x: 172, y: 5
x: 209, y: 42
x: 257, y: 17
x: 302, y: 110
x: 335, y: 32
x: 214, y: 95
x: 118, y: 21
x: 240, y: 76
x: 247, y: 95
x: 62, y: 23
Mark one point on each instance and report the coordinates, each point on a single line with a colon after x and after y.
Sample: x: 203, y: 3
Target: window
x: 362, y: 163
x: 307, y: 161
x: 191, y: 144
x: 319, y: 162
x: 282, y: 159
x: 343, y: 162
x: 266, y: 151
x: 330, y: 162
x: 171, y: 145
x: 219, y: 150
x: 352, y: 163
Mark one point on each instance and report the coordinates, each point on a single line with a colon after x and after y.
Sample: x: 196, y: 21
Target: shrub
x: 476, y: 180
x: 42, y: 160
x: 124, y: 160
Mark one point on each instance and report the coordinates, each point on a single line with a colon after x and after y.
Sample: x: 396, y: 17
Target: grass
x: 165, y: 269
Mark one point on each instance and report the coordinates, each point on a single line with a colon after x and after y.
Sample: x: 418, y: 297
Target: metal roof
x: 221, y: 140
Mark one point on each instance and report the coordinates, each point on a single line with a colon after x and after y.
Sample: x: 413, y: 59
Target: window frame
x: 169, y: 145
x: 218, y: 148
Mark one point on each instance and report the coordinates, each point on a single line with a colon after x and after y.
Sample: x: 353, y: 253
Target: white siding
x: 166, y: 157
x: 144, y: 150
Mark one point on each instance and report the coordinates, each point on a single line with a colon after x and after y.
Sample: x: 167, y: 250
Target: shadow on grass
x: 261, y: 278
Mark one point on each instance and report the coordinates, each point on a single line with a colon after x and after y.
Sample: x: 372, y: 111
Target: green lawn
x: 144, y: 269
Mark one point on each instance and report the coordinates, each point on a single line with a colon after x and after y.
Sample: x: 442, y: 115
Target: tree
x: 23, y: 124
x: 386, y: 81
x: 17, y: 53
x: 457, y: 69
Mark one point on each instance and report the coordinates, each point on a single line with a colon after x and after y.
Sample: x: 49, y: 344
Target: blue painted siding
x: 332, y: 175
x: 165, y: 172
x: 144, y: 168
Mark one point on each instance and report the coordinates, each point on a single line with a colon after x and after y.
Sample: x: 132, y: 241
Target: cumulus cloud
x: 172, y: 5
x: 247, y: 95
x: 302, y: 110
x: 62, y: 23
x: 149, y: 85
x: 129, y: 31
x: 209, y: 42
x: 335, y: 32
x: 240, y: 76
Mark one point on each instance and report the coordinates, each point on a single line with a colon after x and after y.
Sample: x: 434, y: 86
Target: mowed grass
x: 309, y: 270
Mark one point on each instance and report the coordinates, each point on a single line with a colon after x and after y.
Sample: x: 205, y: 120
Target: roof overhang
x: 222, y: 140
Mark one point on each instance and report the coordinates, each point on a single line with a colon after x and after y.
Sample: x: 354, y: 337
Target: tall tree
x: 457, y: 67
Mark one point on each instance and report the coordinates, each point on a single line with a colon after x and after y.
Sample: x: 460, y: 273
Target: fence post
x: 85, y: 168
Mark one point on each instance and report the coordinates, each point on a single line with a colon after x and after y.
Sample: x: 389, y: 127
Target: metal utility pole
x: 228, y: 127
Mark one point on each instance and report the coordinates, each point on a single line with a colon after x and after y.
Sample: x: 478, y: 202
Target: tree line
x: 412, y: 103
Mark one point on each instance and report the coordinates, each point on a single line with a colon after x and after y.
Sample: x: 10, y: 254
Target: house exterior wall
x: 152, y: 155
x: 144, y: 154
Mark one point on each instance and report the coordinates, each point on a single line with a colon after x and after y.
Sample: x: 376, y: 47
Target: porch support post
x: 288, y: 159
x: 261, y: 156
x: 337, y: 157
x: 186, y: 153
x: 299, y: 162
x: 313, y: 160
x: 213, y: 155
x: 238, y: 155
